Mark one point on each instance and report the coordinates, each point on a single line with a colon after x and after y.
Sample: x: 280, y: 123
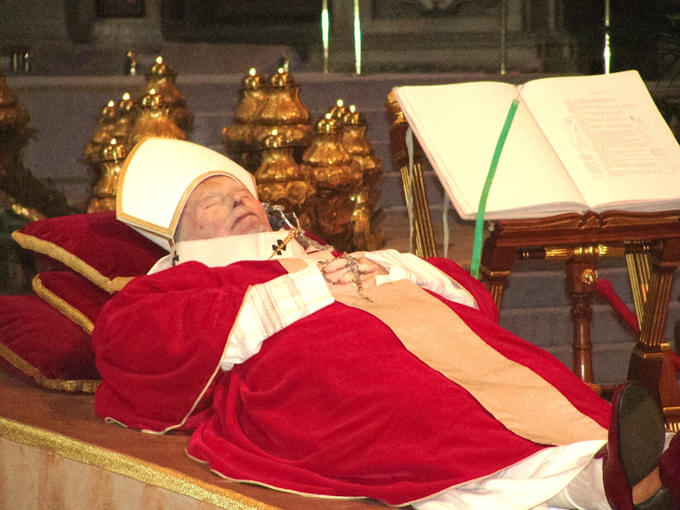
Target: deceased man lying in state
x: 375, y: 375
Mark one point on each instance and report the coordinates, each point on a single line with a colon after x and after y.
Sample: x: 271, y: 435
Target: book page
x: 458, y: 126
x: 612, y: 139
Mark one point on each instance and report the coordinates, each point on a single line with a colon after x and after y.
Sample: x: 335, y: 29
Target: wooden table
x: 580, y: 240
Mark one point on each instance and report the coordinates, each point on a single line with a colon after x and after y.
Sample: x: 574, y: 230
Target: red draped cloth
x: 332, y: 405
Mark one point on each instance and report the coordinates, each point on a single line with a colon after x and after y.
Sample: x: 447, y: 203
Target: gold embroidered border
x: 128, y: 466
x: 61, y: 305
x: 110, y: 285
x: 70, y: 385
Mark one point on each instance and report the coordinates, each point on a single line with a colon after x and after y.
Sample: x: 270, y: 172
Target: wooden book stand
x: 649, y: 241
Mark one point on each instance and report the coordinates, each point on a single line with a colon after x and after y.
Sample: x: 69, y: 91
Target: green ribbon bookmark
x: 481, y: 210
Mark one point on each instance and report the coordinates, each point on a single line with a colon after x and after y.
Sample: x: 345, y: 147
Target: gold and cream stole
x: 506, y: 389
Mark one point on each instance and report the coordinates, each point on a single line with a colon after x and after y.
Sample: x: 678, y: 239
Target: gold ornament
x: 284, y: 111
x: 127, y: 114
x: 367, y: 234
x: 339, y: 110
x: 335, y: 177
x: 106, y: 124
x: 238, y: 138
x: 154, y: 120
x: 163, y: 80
x: 280, y: 180
x: 104, y: 192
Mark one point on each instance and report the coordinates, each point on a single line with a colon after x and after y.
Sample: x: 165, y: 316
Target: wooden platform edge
x: 126, y: 465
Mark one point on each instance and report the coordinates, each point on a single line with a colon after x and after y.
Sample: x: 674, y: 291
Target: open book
x: 576, y: 143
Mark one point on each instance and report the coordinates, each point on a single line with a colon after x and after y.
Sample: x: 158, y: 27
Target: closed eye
x: 210, y: 202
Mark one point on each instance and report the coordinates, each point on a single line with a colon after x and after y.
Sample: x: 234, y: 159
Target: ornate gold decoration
x: 366, y: 231
x: 154, y: 119
x: 589, y: 276
x: 106, y: 124
x: 115, y: 122
x: 284, y: 111
x: 335, y: 178
x: 104, y: 192
x: 163, y: 80
x: 238, y: 139
x: 160, y: 112
x: 127, y: 114
x: 280, y: 180
x: 264, y: 106
x: 335, y: 189
x: 339, y: 110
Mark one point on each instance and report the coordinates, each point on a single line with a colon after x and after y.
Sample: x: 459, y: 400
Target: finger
x: 334, y: 265
x: 367, y: 266
x: 370, y: 267
x: 346, y: 277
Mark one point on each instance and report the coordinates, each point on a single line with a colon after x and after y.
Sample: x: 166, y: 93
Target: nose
x: 236, y: 201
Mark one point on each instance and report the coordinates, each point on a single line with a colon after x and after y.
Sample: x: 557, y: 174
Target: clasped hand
x: 351, y: 274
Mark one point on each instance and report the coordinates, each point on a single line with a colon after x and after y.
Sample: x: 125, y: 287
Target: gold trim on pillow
x: 70, y: 385
x: 126, y: 465
x: 29, y: 242
x: 62, y: 306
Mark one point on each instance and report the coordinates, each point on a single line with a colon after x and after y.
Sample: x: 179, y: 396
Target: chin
x: 254, y: 227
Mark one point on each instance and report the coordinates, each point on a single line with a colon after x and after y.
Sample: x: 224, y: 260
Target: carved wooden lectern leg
x: 651, y: 361
x: 580, y: 283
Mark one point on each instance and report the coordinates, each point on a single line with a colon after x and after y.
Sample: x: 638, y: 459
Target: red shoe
x: 670, y: 468
x: 634, y: 449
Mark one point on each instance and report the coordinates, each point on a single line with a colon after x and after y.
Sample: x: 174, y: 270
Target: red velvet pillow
x: 97, y: 246
x: 40, y: 344
x: 72, y: 295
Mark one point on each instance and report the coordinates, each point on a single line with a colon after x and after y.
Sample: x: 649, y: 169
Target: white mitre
x: 157, y: 178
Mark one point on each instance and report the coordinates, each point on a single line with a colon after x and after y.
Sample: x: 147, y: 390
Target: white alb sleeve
x: 270, y: 307
x: 406, y: 266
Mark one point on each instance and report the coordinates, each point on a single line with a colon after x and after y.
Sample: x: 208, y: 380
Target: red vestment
x: 332, y: 405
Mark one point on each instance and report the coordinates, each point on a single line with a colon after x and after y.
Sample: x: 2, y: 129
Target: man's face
x: 218, y: 207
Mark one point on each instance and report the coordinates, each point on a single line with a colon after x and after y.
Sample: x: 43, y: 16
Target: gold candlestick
x: 335, y: 178
x: 163, y: 79
x: 367, y: 234
x: 154, y: 120
x: 239, y: 138
x: 104, y: 192
x: 280, y: 180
